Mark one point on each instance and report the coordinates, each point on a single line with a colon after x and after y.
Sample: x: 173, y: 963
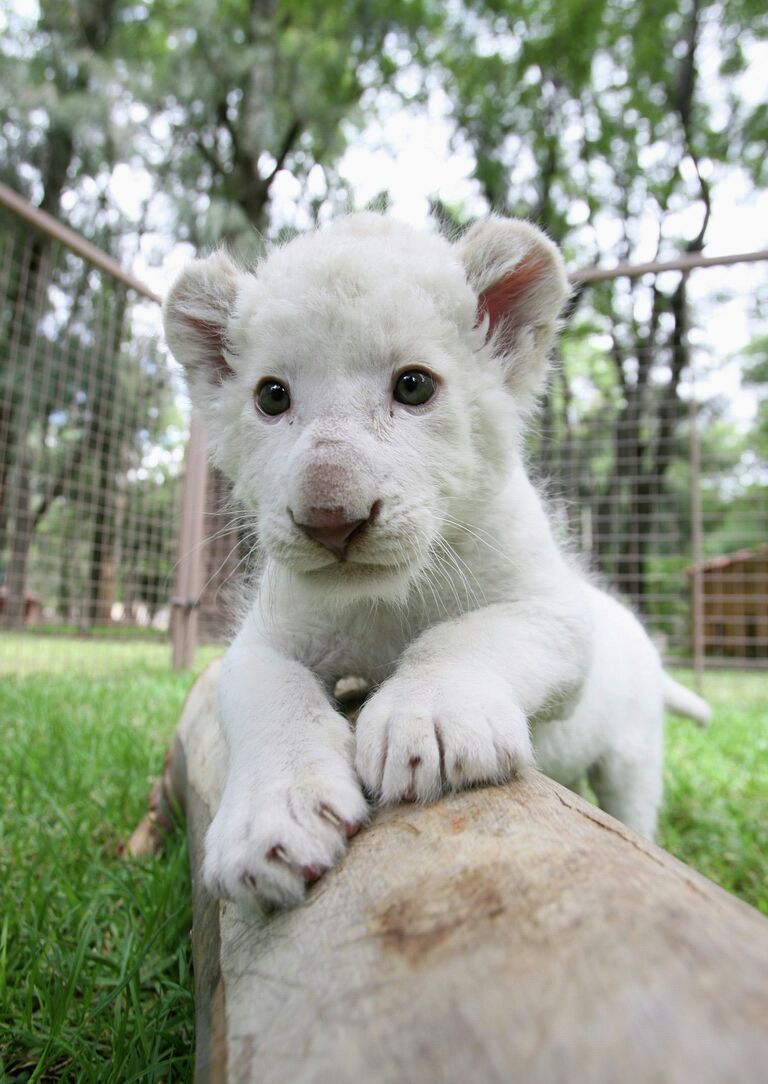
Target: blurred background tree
x: 236, y: 92
x: 594, y: 119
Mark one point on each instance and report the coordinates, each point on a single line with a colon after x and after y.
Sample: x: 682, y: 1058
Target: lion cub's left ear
x: 521, y: 285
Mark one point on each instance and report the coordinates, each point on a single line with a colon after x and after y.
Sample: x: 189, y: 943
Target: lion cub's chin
x: 350, y: 581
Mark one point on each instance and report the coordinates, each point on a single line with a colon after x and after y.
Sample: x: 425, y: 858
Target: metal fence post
x: 189, y: 570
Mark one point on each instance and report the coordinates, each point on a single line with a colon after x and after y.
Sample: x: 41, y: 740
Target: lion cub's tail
x: 683, y: 702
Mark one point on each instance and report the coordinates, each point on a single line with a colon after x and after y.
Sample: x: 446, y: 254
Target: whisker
x: 455, y: 571
x: 439, y: 566
x: 460, y: 564
x: 477, y: 533
x: 229, y: 576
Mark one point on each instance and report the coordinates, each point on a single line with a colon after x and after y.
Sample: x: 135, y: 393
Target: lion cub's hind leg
x: 630, y: 787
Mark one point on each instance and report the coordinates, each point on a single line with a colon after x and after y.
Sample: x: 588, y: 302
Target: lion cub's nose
x: 331, y: 528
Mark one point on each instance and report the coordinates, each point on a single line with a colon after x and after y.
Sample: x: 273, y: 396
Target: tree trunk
x: 97, y: 609
x: 21, y: 538
x: 108, y: 435
x: 65, y: 577
x: 28, y: 301
x: 507, y: 934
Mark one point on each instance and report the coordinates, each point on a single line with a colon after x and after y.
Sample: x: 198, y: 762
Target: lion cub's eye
x: 414, y: 387
x: 272, y: 397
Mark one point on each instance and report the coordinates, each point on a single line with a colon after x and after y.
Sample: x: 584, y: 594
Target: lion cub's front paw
x: 267, y: 846
x: 420, y: 735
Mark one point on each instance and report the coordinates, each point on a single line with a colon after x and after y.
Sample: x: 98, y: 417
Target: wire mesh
x: 663, y: 497
x: 91, y: 452
x: 665, y: 500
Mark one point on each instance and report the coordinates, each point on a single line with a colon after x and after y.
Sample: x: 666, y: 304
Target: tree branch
x: 285, y: 148
x: 670, y: 404
x: 210, y: 156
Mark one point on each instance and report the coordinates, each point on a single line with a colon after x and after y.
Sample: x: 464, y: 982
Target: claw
x: 313, y: 873
x: 331, y: 815
x: 349, y: 828
x: 441, y: 752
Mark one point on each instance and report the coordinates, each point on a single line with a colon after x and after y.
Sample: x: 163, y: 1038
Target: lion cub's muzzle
x: 332, y: 527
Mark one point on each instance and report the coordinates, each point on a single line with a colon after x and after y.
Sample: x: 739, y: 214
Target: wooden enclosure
x: 734, y: 590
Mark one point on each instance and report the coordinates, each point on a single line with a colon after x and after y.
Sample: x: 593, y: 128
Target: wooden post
x: 697, y: 542
x: 189, y: 568
x: 508, y: 934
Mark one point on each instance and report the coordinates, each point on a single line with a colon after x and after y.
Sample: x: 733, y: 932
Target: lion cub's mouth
x: 350, y: 570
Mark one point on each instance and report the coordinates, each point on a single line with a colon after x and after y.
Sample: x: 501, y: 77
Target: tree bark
x: 510, y: 934
x: 109, y: 436
x: 29, y: 300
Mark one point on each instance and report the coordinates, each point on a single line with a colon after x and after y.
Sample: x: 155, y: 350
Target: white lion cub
x: 366, y: 389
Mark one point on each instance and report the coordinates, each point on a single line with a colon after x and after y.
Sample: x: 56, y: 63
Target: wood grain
x: 506, y: 934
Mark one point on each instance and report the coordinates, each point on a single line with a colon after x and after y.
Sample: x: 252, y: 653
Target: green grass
x: 100, y: 632
x: 38, y: 654
x: 715, y: 814
x: 95, y: 980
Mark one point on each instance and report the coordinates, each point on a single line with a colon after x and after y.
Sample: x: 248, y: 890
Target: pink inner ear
x: 210, y: 335
x: 501, y: 301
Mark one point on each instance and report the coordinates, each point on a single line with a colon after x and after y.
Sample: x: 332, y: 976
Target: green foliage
x: 594, y: 120
x: 60, y: 111
x: 584, y: 114
x: 240, y: 91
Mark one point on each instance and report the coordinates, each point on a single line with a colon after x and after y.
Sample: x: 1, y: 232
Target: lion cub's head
x: 364, y: 387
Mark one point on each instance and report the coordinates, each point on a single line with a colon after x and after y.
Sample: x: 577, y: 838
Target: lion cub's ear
x: 196, y: 314
x: 520, y: 282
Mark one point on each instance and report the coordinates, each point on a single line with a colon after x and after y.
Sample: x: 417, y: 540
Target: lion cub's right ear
x: 196, y: 314
x: 520, y: 282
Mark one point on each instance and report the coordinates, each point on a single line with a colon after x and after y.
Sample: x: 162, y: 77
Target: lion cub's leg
x: 629, y: 786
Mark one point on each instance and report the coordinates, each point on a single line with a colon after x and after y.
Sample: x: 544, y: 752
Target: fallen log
x: 510, y: 934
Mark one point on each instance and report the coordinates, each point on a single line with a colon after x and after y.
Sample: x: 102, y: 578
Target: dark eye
x: 414, y: 387
x: 272, y: 396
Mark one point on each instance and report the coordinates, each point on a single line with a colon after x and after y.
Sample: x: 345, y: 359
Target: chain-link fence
x: 673, y: 520
x: 91, y: 445
x: 653, y: 443
x: 667, y: 498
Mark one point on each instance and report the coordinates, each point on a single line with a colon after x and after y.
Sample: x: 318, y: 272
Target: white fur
x: 487, y: 649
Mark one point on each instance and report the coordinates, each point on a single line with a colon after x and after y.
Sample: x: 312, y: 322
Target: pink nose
x: 331, y: 528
